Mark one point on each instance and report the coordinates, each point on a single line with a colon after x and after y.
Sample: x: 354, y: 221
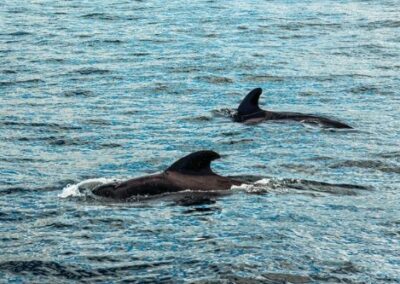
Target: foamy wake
x: 262, y: 185
x: 84, y: 187
x: 258, y: 186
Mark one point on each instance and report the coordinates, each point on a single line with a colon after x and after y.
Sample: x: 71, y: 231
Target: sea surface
x: 102, y: 90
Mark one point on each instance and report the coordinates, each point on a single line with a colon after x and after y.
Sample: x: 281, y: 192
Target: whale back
x: 197, y: 163
x: 250, y: 103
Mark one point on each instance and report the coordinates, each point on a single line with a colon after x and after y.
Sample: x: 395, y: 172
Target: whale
x: 250, y: 112
x: 192, y: 172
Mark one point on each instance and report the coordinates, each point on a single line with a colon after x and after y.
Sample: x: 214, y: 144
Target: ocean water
x: 92, y: 91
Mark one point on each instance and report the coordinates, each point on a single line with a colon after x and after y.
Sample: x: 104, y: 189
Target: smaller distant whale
x: 190, y: 172
x: 249, y: 112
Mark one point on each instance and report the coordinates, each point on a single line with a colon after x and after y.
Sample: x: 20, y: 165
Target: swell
x: 41, y: 268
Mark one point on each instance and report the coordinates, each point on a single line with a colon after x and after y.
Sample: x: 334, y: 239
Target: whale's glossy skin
x: 191, y: 172
x: 249, y: 112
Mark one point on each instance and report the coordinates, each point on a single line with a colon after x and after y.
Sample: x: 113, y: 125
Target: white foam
x: 262, y: 185
x: 258, y: 186
x: 80, y: 189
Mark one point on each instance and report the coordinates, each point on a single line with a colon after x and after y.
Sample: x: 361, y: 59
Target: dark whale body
x: 249, y: 111
x: 190, y: 172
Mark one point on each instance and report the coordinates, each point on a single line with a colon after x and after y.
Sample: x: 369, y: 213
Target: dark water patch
x: 159, y: 87
x: 263, y: 78
x: 53, y: 60
x: 97, y: 121
x: 369, y: 89
x: 28, y: 81
x: 78, y: 93
x: 19, y: 33
x: 317, y: 186
x: 230, y: 133
x: 184, y: 69
x: 18, y: 190
x: 216, y: 79
x: 114, y: 41
x: 394, y: 154
x: 91, y: 71
x: 297, y: 26
x: 156, y: 40
x: 59, y: 225
x: 85, y: 35
x: 240, y: 141
x: 277, y: 278
x: 111, y: 145
x: 68, y: 142
x: 103, y: 258
x: 12, y: 216
x: 8, y: 71
x: 46, y: 268
x: 202, y: 118
x: 211, y: 35
x: 140, y: 54
x: 130, y: 112
x: 201, y: 210
x: 99, y: 16
x: 380, y: 24
x: 346, y: 268
x: 14, y: 190
x: 40, y: 125
x: 368, y: 164
x: 297, y: 36
x: 21, y: 159
x: 29, y: 139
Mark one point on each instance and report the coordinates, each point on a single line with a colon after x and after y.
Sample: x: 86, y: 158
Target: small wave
x: 368, y: 164
x: 139, y: 54
x: 240, y: 141
x: 117, y: 41
x: 265, y: 185
x: 99, y: 16
x: 8, y: 71
x: 39, y: 124
x: 264, y: 78
x: 28, y: 81
x: 19, y: 33
x: 217, y: 80
x: 381, y: 24
x: 364, y: 89
x: 83, y: 188
x: 78, y: 93
x: 198, y: 118
x: 67, y: 142
x: 394, y: 154
x: 91, y: 70
x: 111, y: 145
x: 224, y: 112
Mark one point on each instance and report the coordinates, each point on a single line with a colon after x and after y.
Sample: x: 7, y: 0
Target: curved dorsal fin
x: 250, y: 102
x: 195, y: 163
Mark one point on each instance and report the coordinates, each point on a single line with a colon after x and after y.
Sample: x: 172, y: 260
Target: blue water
x: 115, y: 89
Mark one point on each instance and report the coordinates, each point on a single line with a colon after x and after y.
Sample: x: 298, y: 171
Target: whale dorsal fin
x: 195, y: 163
x: 250, y: 102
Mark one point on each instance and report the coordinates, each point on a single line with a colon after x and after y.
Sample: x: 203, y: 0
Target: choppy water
x: 115, y: 89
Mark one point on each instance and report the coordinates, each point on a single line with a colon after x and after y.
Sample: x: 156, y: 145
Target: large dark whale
x: 249, y: 111
x: 190, y: 172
